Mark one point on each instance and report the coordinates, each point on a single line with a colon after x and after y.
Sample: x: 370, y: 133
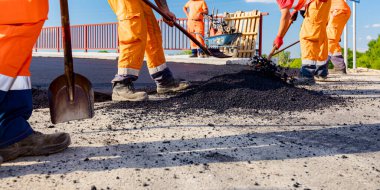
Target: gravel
x: 247, y: 90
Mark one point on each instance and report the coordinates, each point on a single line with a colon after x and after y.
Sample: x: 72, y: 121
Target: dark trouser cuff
x: 194, y: 51
x: 338, y: 62
x: 124, y: 78
x: 163, y: 77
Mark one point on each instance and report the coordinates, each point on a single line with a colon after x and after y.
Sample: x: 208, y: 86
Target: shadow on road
x: 236, y: 148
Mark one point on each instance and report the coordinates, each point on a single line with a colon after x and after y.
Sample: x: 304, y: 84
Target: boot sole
x: 117, y: 98
x: 42, y: 151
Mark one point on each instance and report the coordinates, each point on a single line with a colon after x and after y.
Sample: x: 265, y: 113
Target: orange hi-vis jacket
x: 196, y: 8
x: 23, y: 11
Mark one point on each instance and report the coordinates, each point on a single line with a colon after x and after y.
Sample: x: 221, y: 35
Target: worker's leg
x: 132, y: 31
x: 314, y: 39
x: 158, y: 69
x: 16, y: 43
x: 338, y: 19
x: 16, y: 135
x: 132, y: 41
x: 192, y: 31
x: 200, y: 30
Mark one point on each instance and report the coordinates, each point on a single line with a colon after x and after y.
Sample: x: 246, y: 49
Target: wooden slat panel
x: 246, y: 23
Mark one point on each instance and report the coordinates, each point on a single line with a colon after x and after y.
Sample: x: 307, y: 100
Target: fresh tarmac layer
x: 333, y: 147
x: 246, y: 89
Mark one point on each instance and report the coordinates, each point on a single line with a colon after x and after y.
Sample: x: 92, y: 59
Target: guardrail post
x: 85, y: 38
x: 58, y: 39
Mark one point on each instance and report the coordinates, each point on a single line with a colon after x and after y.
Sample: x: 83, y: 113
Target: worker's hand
x: 278, y: 42
x: 172, y: 17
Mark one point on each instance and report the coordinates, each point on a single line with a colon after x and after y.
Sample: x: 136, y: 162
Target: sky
x: 98, y: 11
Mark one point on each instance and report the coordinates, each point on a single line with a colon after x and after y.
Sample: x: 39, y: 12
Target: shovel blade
x: 62, y: 109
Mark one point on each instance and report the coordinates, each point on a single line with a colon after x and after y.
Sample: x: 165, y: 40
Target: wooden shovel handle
x: 69, y: 70
x: 192, y: 38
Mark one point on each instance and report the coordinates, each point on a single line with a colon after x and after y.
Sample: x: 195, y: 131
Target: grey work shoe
x: 303, y: 81
x: 340, y: 71
x: 320, y: 78
x: 36, y: 144
x: 126, y: 92
x: 173, y: 86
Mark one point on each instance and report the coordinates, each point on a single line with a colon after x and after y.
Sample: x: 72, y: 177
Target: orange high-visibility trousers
x: 20, y: 24
x: 139, y: 34
x: 197, y: 29
x: 313, y: 36
x: 338, y: 19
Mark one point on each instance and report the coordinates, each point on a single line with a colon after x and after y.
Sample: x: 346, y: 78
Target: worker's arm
x: 205, y: 8
x: 185, y: 11
x: 283, y: 28
x: 163, y: 5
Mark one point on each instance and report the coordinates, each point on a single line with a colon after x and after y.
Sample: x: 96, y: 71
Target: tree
x: 371, y: 59
x: 283, y: 58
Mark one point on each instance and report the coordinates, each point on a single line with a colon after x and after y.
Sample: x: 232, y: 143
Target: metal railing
x: 104, y: 37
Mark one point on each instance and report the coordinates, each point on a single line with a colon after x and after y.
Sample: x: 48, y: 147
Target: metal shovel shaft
x: 68, y: 58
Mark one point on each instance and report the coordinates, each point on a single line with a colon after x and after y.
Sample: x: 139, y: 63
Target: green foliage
x: 185, y: 52
x: 103, y: 51
x: 369, y: 59
x: 284, y: 60
x: 296, y: 63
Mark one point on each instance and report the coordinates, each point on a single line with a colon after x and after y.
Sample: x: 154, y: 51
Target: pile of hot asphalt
x: 248, y: 90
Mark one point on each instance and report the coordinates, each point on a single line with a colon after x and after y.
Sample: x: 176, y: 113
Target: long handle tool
x: 71, y: 96
x: 211, y: 52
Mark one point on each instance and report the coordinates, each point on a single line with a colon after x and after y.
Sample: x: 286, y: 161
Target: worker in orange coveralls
x: 340, y: 13
x: 313, y: 37
x: 194, y: 10
x: 139, y: 35
x: 20, y: 25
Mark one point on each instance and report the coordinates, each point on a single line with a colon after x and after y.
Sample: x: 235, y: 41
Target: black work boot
x: 125, y: 91
x: 166, y: 83
x: 194, y: 53
x: 36, y: 144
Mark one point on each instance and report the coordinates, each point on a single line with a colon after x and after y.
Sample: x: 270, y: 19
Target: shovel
x: 274, y: 49
x: 71, y: 96
x: 211, y: 52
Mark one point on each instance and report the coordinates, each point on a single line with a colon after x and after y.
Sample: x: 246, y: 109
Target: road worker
x: 195, y: 11
x: 139, y: 33
x: 20, y: 27
x: 340, y: 13
x: 313, y: 37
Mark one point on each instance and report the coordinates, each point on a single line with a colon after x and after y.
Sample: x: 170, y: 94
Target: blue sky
x: 98, y: 11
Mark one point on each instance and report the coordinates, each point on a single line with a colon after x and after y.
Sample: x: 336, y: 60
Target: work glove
x: 302, y: 13
x: 278, y: 42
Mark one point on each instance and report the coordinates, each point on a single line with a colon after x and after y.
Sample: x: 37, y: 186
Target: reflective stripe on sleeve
x: 157, y: 69
x: 128, y: 71
x: 307, y: 62
x: 19, y: 83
